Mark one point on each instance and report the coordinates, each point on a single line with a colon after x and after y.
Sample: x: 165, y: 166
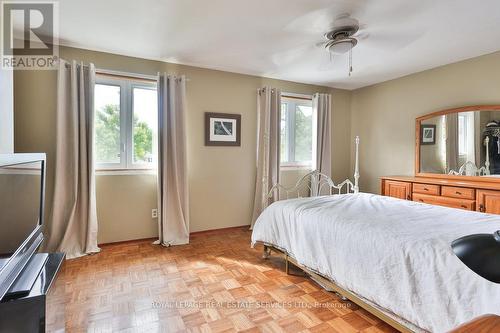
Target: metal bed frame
x: 329, y: 285
x: 314, y: 184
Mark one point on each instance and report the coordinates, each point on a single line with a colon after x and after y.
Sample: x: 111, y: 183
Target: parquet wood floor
x: 215, y: 284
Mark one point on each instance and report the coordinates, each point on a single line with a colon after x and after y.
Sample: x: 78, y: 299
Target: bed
x: 391, y: 256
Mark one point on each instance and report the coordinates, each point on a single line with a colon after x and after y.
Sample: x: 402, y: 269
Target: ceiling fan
x: 342, y: 38
x: 384, y: 29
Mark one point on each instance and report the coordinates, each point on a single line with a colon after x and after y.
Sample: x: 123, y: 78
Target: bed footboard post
x: 342, y: 297
x: 356, y: 167
x: 267, y: 252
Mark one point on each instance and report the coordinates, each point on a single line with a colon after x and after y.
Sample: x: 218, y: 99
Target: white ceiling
x: 276, y: 38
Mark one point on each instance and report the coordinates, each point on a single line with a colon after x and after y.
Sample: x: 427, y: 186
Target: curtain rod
x: 297, y: 96
x: 134, y: 76
x: 124, y: 74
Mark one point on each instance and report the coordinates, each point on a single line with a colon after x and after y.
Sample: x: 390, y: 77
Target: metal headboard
x: 315, y: 183
x: 469, y: 168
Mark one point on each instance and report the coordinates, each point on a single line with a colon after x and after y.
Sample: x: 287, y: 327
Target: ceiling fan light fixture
x: 341, y: 46
x: 341, y: 40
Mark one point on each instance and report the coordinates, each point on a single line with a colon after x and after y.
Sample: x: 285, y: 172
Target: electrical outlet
x: 154, y: 213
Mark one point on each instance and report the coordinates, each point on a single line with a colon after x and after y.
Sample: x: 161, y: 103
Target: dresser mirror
x: 462, y: 142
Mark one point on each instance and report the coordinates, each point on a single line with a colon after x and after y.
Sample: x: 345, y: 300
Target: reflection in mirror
x: 463, y: 143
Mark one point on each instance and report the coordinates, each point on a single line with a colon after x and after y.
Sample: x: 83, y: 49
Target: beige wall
x: 124, y: 204
x: 6, y: 111
x: 384, y: 114
x: 431, y: 158
x: 221, y: 179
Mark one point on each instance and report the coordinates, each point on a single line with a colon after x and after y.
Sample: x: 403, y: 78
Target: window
x: 296, y: 132
x: 462, y: 135
x: 125, y: 123
x: 466, y: 147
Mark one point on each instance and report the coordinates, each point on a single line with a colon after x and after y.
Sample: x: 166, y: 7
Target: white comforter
x: 392, y: 252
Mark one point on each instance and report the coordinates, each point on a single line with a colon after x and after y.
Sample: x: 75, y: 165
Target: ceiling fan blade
x: 297, y: 54
x: 321, y: 44
x: 322, y: 20
x: 292, y: 55
x: 388, y: 39
x: 387, y: 27
x: 395, y: 13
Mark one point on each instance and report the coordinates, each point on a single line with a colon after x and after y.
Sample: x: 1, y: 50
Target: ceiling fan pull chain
x: 350, y: 62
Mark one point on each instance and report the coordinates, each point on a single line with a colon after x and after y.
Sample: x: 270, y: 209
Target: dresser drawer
x: 395, y: 189
x: 445, y: 201
x: 426, y: 189
x: 458, y: 192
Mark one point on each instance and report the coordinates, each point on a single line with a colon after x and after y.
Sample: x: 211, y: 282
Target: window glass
x: 107, y: 123
x: 303, y: 133
x: 296, y: 132
x: 462, y: 135
x: 125, y: 123
x: 144, y: 124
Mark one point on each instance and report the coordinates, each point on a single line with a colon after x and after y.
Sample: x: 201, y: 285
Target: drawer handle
x: 426, y: 189
x: 481, y: 208
x: 463, y: 206
x: 459, y: 193
x: 421, y: 200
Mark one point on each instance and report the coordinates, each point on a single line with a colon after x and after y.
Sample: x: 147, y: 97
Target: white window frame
x: 126, y: 123
x: 468, y: 152
x: 292, y: 101
x: 462, y: 139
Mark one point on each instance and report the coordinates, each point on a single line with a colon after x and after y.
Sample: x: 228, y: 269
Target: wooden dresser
x: 482, y: 196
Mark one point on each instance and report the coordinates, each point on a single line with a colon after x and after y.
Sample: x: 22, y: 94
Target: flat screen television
x: 22, y: 186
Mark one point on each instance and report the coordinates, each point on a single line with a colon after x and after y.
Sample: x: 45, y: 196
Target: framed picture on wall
x: 222, y: 129
x: 427, y: 134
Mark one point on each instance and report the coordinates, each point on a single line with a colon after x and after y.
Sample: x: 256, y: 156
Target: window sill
x: 121, y: 172
x: 296, y: 167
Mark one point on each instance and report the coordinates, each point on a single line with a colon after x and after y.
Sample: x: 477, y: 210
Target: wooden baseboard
x: 150, y: 239
x: 196, y: 233
x: 210, y: 231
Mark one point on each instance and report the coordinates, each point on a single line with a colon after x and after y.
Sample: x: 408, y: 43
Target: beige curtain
x: 268, y: 146
x: 452, y: 162
x: 323, y: 152
x: 173, y: 196
x: 72, y: 226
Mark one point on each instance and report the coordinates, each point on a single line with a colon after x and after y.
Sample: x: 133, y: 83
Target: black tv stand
x: 25, y: 311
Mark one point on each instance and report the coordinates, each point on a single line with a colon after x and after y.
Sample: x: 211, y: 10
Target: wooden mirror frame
x: 418, y: 122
